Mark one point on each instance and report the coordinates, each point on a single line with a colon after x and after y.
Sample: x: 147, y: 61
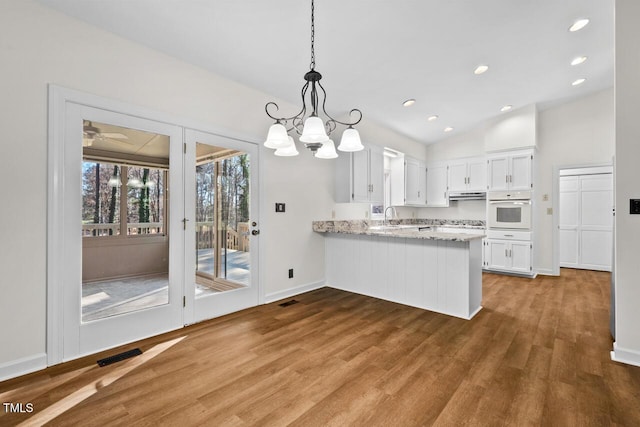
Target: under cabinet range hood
x: 467, y: 195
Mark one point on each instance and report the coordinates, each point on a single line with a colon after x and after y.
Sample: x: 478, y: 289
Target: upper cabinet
x: 510, y: 171
x: 360, y: 176
x: 437, y: 185
x: 468, y: 175
x: 408, y: 181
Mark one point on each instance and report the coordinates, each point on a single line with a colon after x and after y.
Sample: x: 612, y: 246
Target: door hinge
x: 184, y: 148
x: 184, y: 301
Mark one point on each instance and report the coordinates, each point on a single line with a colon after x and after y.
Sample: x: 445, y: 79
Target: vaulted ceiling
x: 375, y: 54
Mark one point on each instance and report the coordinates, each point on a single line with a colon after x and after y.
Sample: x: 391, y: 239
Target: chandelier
x: 313, y: 131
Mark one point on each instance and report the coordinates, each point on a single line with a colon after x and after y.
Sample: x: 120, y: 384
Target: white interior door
x: 121, y: 236
x: 586, y: 221
x: 221, y: 225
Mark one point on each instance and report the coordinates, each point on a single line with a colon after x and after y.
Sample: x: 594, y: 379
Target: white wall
x: 627, y: 185
x: 573, y: 134
x: 516, y: 129
x: 41, y: 46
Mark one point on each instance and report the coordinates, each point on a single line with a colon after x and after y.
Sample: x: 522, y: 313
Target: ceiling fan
x: 91, y: 133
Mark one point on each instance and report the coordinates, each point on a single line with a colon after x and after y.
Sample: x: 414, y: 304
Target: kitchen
x: 581, y: 131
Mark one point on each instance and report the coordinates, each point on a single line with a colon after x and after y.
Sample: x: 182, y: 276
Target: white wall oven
x: 509, y: 210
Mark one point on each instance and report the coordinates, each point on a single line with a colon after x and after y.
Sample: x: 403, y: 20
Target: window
x: 104, y: 200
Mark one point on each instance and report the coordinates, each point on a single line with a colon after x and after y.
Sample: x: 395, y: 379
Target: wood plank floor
x: 537, y: 354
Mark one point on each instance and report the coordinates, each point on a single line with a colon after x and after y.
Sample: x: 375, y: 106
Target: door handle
x: 255, y: 232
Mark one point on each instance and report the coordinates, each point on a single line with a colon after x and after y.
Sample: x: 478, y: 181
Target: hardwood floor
x: 537, y: 354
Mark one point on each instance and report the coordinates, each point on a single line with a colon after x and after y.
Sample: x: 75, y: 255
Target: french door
x: 221, y: 225
x: 150, y: 226
x: 122, y: 236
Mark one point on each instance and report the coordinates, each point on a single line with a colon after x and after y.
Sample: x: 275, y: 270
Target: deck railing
x: 205, y: 233
x: 133, y: 228
x: 236, y: 239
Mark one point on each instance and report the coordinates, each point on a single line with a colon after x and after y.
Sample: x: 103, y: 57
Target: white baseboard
x: 287, y: 293
x: 23, y: 366
x: 545, y: 272
x: 622, y: 355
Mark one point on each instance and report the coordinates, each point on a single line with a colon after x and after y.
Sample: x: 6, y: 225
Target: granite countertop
x: 462, y: 230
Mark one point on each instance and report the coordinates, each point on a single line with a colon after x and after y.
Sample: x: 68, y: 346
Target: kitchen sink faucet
x: 393, y: 213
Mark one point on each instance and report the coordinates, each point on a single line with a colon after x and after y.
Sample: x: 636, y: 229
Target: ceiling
x: 375, y: 54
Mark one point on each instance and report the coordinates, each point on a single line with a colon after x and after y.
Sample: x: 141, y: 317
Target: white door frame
x: 556, y: 210
x: 59, y: 99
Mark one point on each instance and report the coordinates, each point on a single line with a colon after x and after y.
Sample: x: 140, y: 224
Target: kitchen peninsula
x: 433, y: 265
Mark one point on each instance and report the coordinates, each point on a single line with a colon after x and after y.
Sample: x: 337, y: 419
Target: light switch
x: 279, y: 207
x: 549, y: 211
x: 634, y: 206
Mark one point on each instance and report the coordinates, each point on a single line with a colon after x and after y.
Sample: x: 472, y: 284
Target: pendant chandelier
x: 313, y: 131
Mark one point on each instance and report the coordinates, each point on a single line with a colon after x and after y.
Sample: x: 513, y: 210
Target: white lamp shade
x: 313, y: 130
x: 327, y: 151
x: 350, y: 141
x: 288, y: 150
x: 277, y: 137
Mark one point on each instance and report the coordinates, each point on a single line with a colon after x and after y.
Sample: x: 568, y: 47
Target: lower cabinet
x: 437, y: 275
x: 507, y: 253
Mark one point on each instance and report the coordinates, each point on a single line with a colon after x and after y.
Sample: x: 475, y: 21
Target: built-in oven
x: 509, y: 210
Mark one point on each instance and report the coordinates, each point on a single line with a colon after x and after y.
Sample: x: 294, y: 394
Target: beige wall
x: 627, y: 184
x: 104, y: 259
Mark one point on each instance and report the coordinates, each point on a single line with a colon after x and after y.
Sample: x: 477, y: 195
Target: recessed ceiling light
x: 409, y: 102
x: 578, y: 25
x: 448, y: 129
x: 506, y: 108
x: 481, y: 69
x: 578, y: 60
x: 432, y: 118
x: 578, y: 82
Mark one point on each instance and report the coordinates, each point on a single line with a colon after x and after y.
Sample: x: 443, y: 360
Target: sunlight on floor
x: 110, y: 377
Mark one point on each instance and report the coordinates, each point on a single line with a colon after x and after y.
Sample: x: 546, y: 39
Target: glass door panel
x: 221, y: 219
x: 125, y: 246
x: 222, y: 203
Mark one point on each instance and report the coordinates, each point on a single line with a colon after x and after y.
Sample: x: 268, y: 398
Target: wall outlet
x: 545, y: 197
x: 291, y: 273
x: 366, y: 214
x: 333, y: 214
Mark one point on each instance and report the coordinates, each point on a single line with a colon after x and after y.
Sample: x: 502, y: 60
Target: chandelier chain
x: 313, y: 31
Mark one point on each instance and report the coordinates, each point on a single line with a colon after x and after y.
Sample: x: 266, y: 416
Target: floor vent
x: 118, y: 357
x: 288, y: 303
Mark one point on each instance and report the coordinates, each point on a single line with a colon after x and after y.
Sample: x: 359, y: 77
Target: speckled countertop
x: 461, y: 230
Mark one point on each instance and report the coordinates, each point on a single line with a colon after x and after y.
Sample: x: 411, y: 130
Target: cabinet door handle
x: 510, y: 178
x: 506, y: 178
x: 506, y: 253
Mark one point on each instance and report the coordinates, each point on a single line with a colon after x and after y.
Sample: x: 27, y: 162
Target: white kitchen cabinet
x: 468, y: 174
x: 415, y: 182
x: 507, y: 253
x: 437, y: 178
x: 360, y: 176
x: 408, y: 182
x: 510, y: 171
